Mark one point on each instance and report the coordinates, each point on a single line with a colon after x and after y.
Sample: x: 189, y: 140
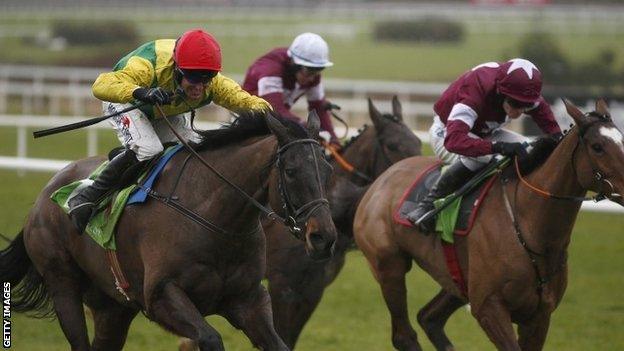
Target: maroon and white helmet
x: 521, y: 81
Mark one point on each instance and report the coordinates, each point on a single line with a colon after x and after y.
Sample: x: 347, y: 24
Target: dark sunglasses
x: 197, y: 76
x: 312, y: 70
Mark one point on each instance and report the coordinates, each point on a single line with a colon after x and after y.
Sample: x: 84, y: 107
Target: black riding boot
x: 450, y: 180
x: 81, y: 206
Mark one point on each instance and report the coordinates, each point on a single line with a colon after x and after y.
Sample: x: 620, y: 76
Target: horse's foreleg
x: 251, y: 312
x: 434, y: 315
x: 295, y: 299
x: 170, y: 307
x: 390, y: 271
x: 495, y: 320
x: 532, y: 335
x: 111, y: 322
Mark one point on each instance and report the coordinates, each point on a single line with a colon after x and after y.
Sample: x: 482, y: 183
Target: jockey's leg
x: 137, y: 135
x: 181, y: 124
x: 84, y: 203
x: 451, y: 179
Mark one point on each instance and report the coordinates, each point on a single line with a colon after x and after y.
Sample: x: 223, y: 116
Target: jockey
x: 188, y: 66
x: 466, y: 130
x: 283, y: 75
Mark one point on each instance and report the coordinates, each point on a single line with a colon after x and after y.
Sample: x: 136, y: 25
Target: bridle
x: 597, y: 174
x: 295, y: 217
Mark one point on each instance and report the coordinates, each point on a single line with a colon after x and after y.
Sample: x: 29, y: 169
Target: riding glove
x: 156, y: 95
x: 509, y: 149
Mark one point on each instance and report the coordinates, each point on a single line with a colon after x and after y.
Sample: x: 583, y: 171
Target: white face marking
x: 613, y: 134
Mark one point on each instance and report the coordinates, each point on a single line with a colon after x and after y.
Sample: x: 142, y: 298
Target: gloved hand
x: 509, y: 149
x: 156, y: 95
x: 335, y: 143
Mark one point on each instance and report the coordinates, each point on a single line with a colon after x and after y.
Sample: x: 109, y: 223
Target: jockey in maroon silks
x: 283, y: 75
x: 467, y: 131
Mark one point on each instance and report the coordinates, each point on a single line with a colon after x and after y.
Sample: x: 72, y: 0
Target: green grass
x: 358, y: 57
x: 352, y: 315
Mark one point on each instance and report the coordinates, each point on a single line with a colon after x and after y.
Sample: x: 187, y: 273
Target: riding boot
x: 82, y: 206
x: 450, y: 180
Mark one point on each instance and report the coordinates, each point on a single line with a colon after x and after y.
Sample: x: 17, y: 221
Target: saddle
x: 457, y: 218
x: 101, y: 226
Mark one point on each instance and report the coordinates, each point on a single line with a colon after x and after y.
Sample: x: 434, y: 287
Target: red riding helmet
x: 521, y: 81
x: 197, y: 50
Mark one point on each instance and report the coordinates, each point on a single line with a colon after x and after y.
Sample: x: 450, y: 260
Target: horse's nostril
x: 316, y: 239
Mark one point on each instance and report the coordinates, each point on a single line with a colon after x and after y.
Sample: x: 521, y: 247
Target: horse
x: 514, y: 259
x: 180, y: 268
x: 296, y: 282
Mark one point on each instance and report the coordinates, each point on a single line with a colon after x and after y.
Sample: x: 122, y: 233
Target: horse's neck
x: 344, y: 197
x: 548, y: 222
x: 246, y: 166
x: 344, y: 193
x: 361, y: 154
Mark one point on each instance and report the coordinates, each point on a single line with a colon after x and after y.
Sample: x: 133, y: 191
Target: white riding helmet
x: 310, y: 50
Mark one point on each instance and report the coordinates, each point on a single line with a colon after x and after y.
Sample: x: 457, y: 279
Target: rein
x: 290, y: 221
x: 344, y: 163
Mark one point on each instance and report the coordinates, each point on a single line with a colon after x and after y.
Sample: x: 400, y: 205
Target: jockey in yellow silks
x: 181, y: 75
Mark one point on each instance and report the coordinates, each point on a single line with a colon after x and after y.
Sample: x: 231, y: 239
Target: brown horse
x: 513, y: 276
x: 297, y: 282
x: 179, y: 271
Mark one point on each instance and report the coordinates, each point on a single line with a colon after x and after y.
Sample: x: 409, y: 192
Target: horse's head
x: 395, y: 141
x: 301, y: 185
x: 599, y: 164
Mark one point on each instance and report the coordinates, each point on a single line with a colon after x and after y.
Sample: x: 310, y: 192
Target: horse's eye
x: 597, y: 148
x: 291, y: 172
x: 392, y: 147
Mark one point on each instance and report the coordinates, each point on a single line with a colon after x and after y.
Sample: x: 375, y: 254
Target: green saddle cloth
x: 102, y: 225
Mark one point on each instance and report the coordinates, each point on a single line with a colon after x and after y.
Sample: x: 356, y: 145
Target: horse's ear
x: 314, y: 124
x: 397, y: 109
x: 574, y: 112
x: 375, y: 116
x: 602, y: 107
x: 277, y: 128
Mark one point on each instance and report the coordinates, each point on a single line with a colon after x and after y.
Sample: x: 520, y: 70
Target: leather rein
x: 294, y: 218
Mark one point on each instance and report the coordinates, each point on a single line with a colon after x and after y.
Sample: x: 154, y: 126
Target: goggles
x: 312, y: 70
x: 197, y: 76
x: 520, y: 104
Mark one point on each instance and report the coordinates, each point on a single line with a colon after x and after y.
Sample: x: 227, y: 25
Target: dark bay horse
x: 296, y: 282
x: 504, y: 286
x: 179, y: 271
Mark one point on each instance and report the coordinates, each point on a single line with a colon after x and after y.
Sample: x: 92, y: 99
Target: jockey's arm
x: 228, y: 94
x: 544, y: 117
x: 117, y: 86
x: 317, y: 102
x: 459, y: 123
x: 323, y: 113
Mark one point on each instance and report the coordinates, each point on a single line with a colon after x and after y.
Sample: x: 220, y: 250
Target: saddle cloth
x: 457, y: 218
x: 101, y: 226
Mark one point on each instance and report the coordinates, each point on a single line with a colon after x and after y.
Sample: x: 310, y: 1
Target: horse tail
x: 28, y: 291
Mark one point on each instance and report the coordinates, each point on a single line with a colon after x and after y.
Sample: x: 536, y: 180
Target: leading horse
x: 180, y: 268
x: 515, y: 258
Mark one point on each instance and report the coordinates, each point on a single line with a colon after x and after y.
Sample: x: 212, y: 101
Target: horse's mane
x: 355, y: 137
x: 542, y: 148
x: 247, y: 125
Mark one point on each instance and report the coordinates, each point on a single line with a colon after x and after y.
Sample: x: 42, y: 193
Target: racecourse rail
x: 22, y: 163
